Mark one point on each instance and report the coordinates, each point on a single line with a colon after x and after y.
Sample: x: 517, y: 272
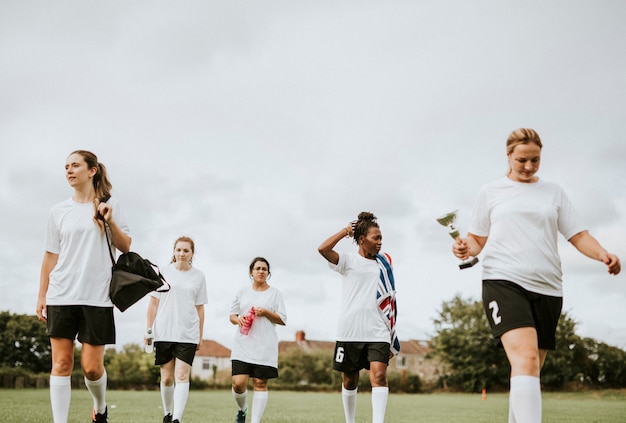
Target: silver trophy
x: 448, y: 220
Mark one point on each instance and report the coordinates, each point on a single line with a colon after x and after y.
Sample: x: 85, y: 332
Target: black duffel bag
x: 132, y: 278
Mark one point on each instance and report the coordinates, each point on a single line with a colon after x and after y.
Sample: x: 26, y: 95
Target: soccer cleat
x: 176, y: 421
x: 241, y: 416
x: 167, y: 418
x: 100, y: 418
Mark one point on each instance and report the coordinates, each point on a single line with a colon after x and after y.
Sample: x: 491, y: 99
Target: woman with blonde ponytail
x: 74, y: 282
x: 516, y: 221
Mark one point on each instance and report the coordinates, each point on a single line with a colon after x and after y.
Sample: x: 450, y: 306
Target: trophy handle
x: 468, y: 263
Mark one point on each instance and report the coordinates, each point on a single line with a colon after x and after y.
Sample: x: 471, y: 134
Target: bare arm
x: 327, y: 247
x: 589, y: 246
x: 153, y: 305
x: 273, y: 317
x: 200, y: 310
x: 120, y: 240
x: 47, y: 264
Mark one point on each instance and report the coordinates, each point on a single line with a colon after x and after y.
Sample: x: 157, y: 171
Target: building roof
x: 306, y: 345
x: 410, y: 347
x: 414, y: 347
x: 211, y: 348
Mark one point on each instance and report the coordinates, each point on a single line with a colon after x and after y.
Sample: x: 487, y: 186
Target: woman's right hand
x: 460, y: 249
x: 148, y: 337
x: 41, y: 309
x: 350, y: 229
x: 242, y: 320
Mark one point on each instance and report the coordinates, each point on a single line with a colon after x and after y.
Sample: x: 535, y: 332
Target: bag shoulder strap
x: 106, y: 233
x: 106, y: 229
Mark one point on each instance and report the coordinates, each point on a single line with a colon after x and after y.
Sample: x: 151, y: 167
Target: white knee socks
x: 167, y: 398
x: 349, y: 404
x: 379, y: 403
x: 181, y: 393
x: 525, y: 399
x: 60, y: 396
x: 98, y: 391
x: 259, y: 401
x: 241, y: 399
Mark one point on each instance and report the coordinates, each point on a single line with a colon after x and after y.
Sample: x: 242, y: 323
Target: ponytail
x: 101, y: 184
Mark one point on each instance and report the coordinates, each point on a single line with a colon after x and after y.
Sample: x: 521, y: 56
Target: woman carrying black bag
x: 74, y: 283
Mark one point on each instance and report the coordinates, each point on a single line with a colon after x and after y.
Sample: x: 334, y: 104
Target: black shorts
x: 509, y: 306
x: 354, y: 356
x: 254, y: 370
x: 164, y: 352
x: 93, y: 325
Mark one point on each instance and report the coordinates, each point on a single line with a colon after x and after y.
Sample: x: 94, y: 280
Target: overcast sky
x: 261, y: 128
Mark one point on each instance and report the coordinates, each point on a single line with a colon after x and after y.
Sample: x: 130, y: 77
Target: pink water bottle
x: 245, y: 329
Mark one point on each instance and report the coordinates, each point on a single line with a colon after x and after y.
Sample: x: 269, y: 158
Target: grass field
x: 32, y: 406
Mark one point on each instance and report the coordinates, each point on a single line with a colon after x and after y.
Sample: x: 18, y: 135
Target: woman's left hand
x: 260, y: 311
x: 612, y: 262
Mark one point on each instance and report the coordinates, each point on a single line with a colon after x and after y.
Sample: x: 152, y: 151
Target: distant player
x: 255, y: 348
x: 176, y: 318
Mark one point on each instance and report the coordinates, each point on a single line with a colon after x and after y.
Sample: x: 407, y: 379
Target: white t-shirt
x: 360, y: 319
x: 260, y: 345
x: 83, y: 271
x: 522, y: 222
x: 177, y: 318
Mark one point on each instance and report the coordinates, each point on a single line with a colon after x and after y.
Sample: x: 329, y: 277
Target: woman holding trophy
x: 516, y: 220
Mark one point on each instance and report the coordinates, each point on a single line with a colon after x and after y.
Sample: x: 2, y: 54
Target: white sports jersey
x: 177, y: 318
x: 522, y: 222
x: 83, y: 271
x: 260, y: 345
x: 360, y: 319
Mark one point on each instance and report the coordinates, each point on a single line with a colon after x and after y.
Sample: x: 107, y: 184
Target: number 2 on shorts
x: 493, y: 306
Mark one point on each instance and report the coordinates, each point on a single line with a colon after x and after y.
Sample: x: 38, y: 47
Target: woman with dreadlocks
x: 366, y: 331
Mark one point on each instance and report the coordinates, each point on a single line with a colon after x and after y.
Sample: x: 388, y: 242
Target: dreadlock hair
x: 364, y: 222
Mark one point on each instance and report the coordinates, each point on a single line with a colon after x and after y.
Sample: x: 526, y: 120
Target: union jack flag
x: 386, y: 298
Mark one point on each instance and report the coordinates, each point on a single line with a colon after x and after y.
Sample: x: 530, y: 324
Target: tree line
x: 463, y: 345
